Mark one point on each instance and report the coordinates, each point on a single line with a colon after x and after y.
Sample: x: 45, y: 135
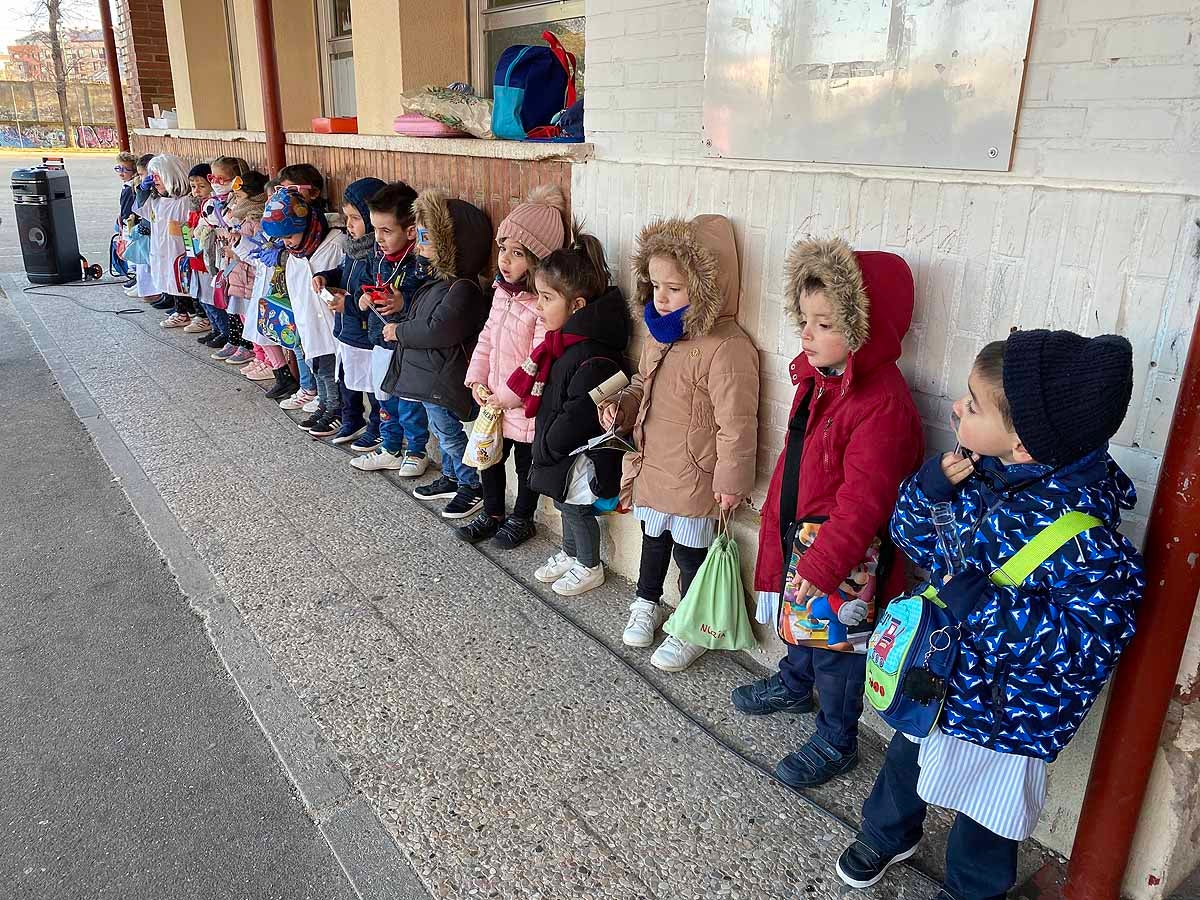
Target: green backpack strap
x: 1044, y: 544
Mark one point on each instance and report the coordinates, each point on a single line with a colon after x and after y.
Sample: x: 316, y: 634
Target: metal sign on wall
x: 932, y: 83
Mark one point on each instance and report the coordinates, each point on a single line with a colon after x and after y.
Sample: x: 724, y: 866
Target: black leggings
x: 494, y: 479
x: 184, y: 305
x: 656, y: 557
x: 235, y: 332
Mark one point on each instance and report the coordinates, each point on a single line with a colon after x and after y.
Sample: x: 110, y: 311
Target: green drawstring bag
x: 713, y: 612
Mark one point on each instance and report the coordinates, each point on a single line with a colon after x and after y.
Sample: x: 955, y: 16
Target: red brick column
x: 142, y: 36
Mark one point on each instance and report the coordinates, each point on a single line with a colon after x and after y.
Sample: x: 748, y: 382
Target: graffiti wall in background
x: 48, y: 137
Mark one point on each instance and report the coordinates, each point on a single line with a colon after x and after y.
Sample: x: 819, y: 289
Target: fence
x: 29, y: 115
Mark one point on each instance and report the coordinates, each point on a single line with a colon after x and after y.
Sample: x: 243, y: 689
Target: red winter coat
x: 863, y: 436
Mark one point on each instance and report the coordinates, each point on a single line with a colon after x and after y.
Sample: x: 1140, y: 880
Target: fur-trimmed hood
x: 705, y: 251
x: 871, y: 293
x: 461, y: 234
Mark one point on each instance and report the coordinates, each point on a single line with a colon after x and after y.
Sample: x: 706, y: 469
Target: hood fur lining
x: 432, y: 210
x: 833, y: 263
x: 675, y: 239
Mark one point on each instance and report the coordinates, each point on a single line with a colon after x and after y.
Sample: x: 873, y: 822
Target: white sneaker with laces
x: 413, y: 466
x: 297, y: 400
x: 674, y: 655
x: 312, y: 405
x: 380, y: 459
x: 644, y: 619
x: 579, y: 579
x: 132, y: 291
x: 554, y: 568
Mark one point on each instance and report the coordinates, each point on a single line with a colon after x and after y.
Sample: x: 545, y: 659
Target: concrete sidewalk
x: 506, y: 740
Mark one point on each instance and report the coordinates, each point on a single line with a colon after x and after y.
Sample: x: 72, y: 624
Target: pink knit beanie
x: 537, y: 224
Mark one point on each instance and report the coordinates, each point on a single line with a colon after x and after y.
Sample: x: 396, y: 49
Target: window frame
x: 484, y: 20
x: 327, y: 47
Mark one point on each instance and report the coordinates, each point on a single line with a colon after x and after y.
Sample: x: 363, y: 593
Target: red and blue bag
x: 532, y: 85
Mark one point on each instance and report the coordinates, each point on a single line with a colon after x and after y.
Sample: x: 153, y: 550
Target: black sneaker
x: 467, y: 501
x: 815, y: 763
x: 130, y: 282
x: 313, y: 420
x: 862, y: 866
x: 480, y: 528
x: 770, y: 695
x: 514, y: 532
x: 164, y: 302
x: 213, y: 340
x: 285, y: 384
x: 442, y: 489
x: 328, y: 425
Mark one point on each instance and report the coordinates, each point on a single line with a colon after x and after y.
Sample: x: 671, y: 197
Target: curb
x: 373, y: 864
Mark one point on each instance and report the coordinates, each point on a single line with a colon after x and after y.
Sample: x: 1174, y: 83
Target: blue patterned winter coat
x: 1032, y: 659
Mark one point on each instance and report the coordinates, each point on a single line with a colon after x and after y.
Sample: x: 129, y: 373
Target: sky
x: 15, y: 21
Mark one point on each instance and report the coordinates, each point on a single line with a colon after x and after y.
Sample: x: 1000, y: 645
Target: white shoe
x: 297, y: 400
x: 555, y: 568
x: 197, y: 326
x: 579, y: 579
x: 674, y: 655
x: 644, y: 619
x: 312, y: 405
x: 132, y: 291
x: 413, y: 466
x: 380, y: 459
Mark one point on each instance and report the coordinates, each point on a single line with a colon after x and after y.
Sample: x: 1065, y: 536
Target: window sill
x: 514, y: 150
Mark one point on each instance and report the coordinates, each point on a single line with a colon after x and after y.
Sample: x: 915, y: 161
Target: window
x: 337, y: 58
x: 499, y: 24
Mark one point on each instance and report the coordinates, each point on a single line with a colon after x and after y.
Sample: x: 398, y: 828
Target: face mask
x: 222, y: 190
x: 424, y: 267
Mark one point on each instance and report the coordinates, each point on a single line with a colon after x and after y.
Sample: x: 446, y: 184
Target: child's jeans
x: 839, y: 679
x: 980, y: 864
x: 402, y: 421
x: 218, y: 318
x: 307, y: 381
x: 581, y: 533
x: 656, y: 557
x: 494, y: 477
x: 324, y: 369
x: 452, y: 438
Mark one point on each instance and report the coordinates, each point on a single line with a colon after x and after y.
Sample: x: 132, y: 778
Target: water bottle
x: 948, y: 540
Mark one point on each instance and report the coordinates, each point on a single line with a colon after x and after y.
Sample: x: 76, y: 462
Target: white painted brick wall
x: 1090, y: 62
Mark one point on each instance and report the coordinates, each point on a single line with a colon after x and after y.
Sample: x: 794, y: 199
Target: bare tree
x: 53, y: 14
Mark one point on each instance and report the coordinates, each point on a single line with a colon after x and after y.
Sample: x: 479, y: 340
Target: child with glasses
x: 126, y: 172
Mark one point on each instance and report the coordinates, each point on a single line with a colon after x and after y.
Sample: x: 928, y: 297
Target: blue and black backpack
x: 532, y: 85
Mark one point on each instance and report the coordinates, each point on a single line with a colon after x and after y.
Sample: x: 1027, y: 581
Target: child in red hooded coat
x: 860, y: 437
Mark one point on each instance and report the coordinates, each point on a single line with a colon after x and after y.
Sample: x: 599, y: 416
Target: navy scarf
x: 665, y: 329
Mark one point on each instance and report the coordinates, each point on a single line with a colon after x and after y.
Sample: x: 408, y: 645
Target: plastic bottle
x: 948, y: 540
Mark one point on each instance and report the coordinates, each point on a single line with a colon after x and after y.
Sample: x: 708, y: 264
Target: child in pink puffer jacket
x: 531, y: 232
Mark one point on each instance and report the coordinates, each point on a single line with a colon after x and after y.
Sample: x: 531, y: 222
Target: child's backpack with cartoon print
x: 912, y: 652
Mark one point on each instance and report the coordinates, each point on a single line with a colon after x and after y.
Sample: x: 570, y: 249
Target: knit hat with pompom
x: 538, y: 224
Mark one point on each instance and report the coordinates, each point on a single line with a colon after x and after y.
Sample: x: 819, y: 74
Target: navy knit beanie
x: 1068, y: 394
x: 357, y: 193
x: 201, y: 170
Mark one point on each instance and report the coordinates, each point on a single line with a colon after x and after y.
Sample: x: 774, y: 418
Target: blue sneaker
x: 367, y: 441
x: 770, y: 695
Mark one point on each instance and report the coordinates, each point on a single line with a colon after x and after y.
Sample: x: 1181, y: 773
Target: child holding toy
x: 853, y: 436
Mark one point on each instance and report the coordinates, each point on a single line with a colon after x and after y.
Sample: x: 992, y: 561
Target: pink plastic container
x: 417, y: 125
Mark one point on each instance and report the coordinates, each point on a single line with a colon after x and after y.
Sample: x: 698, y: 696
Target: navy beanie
x: 1068, y: 394
x: 357, y: 193
x: 202, y: 170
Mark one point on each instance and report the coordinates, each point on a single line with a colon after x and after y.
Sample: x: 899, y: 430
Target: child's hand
x: 610, y: 417
x: 727, y: 501
x: 481, y: 393
x: 338, y: 303
x: 393, y: 303
x: 806, y: 590
x: 364, y: 301
x: 389, y: 331
x: 958, y: 468
x: 318, y: 283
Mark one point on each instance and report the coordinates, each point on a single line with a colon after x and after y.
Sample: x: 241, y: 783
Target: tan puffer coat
x: 694, y: 403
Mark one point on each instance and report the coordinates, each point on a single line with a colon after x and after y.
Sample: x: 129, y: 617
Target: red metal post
x: 114, y: 74
x: 1145, y: 680
x: 264, y: 28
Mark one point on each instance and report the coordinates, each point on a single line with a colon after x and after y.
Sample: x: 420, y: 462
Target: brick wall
x: 146, y: 67
x: 494, y: 185
x: 1095, y: 229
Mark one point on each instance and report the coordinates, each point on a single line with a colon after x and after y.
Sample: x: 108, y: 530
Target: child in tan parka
x: 692, y: 409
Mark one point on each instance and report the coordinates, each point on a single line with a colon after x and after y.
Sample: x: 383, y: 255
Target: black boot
x: 285, y: 384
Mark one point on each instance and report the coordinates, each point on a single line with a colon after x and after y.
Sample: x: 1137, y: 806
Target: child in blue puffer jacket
x: 351, y: 324
x: 1040, y: 410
